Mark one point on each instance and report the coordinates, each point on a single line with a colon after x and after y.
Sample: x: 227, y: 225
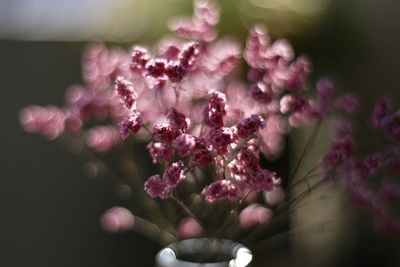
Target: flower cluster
x: 182, y: 96
x: 160, y: 187
x: 359, y: 175
x: 93, y: 101
x: 203, y: 119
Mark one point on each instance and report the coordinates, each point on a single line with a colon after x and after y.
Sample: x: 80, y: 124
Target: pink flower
x: 381, y: 111
x: 178, y: 120
x: 256, y: 74
x: 299, y: 108
x: 101, y: 66
x: 325, y: 91
x: 129, y: 125
x: 264, y: 180
x: 48, y: 121
x: 246, y: 165
x: 221, y: 58
x: 220, y: 189
x: 215, y: 110
x: 249, y: 126
x: 175, y: 72
x: 279, y: 52
x: 102, y: 138
x: 348, y: 103
x: 169, y: 48
x: 366, y: 199
x: 256, y: 47
x: 161, y: 151
x: 271, y: 63
x: 337, y: 154
x: 189, y: 55
x: 297, y: 75
x: 156, y: 68
x: 275, y: 196
x: 174, y: 174
x: 240, y: 104
x: 85, y: 103
x: 165, y: 133
x: 206, y: 12
x: 117, y: 219
x: 260, y: 92
x: 366, y: 167
x: 156, y: 187
x: 201, y: 25
x: 126, y: 92
x: 139, y: 58
x: 291, y: 104
x: 384, y: 120
x: 390, y: 126
x: 201, y: 154
x: 220, y: 138
x: 189, y: 228
x: 254, y: 215
x: 184, y: 144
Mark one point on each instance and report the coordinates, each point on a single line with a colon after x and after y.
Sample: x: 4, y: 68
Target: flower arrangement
x: 209, y: 133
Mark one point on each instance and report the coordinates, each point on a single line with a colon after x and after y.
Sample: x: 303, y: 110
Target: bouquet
x: 213, y: 136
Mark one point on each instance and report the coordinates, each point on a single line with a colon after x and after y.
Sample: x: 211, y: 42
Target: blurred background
x: 49, y: 208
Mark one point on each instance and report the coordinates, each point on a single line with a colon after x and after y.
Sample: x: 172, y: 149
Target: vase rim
x: 239, y: 255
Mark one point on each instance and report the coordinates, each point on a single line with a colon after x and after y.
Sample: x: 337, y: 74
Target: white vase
x: 204, y: 252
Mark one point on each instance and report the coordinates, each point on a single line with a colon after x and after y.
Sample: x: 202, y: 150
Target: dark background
x: 49, y: 210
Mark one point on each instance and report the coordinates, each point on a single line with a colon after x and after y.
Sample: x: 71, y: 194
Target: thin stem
x: 187, y: 210
x: 256, y: 232
x: 146, y: 127
x: 310, y: 189
x: 310, y: 202
x: 176, y: 94
x: 131, y: 170
x: 86, y: 155
x: 305, y: 151
x: 245, y: 197
x: 276, y: 222
x: 304, y: 177
x: 187, y: 170
x: 152, y: 231
x: 303, y: 194
x: 227, y: 221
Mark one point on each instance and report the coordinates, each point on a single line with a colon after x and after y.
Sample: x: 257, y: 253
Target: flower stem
x: 186, y: 209
x: 152, y: 231
x: 304, y: 178
x: 305, y: 151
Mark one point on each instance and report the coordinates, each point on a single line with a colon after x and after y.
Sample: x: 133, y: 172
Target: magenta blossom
x: 117, y: 219
x: 156, y: 187
x: 220, y: 189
